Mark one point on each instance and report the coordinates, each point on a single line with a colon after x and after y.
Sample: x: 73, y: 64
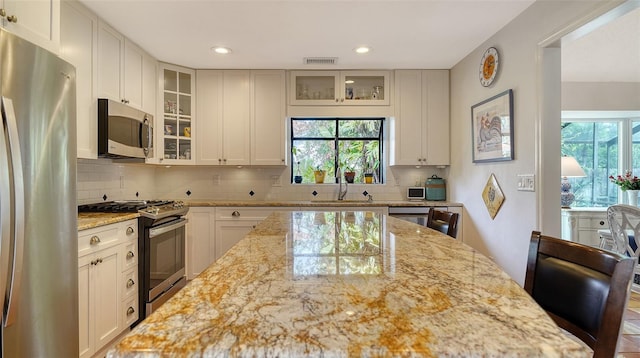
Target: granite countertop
x: 93, y: 220
x: 318, y: 203
x: 340, y: 284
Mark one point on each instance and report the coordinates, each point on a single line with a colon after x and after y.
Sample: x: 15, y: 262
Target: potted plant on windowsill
x: 349, y: 175
x: 319, y: 175
x: 297, y: 178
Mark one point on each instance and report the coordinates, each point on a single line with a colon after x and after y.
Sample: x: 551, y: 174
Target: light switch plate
x: 526, y: 182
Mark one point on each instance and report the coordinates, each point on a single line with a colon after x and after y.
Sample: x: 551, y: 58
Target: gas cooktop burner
x: 149, y: 208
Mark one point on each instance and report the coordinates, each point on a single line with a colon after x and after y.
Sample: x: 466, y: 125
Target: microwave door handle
x: 147, y: 150
x: 8, y: 114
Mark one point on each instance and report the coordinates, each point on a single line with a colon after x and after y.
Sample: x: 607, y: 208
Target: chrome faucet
x: 341, y: 193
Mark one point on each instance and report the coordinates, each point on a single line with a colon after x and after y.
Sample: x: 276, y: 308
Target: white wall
x: 506, y: 238
x: 601, y: 96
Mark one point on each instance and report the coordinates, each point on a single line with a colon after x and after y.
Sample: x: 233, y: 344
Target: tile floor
x: 629, y: 346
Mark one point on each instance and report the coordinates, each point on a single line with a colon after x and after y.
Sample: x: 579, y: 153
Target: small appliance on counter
x: 436, y: 189
x: 415, y: 193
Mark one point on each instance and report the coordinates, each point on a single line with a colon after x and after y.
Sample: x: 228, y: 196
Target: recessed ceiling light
x: 362, y: 49
x: 221, y: 50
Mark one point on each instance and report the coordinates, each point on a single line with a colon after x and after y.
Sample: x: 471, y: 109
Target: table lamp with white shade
x: 569, y: 168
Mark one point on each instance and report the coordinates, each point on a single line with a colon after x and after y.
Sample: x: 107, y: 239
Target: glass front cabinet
x: 331, y: 88
x: 178, y: 109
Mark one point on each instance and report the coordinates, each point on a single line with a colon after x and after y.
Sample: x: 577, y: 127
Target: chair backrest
x: 444, y: 221
x: 624, y: 224
x: 584, y: 289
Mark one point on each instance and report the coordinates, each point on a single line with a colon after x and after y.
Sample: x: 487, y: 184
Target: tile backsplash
x: 126, y: 181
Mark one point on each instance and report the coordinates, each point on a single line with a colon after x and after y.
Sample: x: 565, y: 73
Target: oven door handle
x: 164, y: 229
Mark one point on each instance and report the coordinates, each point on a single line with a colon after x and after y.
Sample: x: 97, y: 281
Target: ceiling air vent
x: 320, y: 60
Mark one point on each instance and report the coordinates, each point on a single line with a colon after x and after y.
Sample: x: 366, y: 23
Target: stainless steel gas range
x: 161, y: 246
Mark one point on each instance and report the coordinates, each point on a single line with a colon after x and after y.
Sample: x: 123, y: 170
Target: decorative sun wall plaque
x: 492, y: 196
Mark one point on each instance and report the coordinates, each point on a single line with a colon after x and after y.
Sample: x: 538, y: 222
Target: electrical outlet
x: 275, y: 180
x: 526, y: 182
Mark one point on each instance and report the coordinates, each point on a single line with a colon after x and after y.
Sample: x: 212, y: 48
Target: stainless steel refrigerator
x: 38, y: 214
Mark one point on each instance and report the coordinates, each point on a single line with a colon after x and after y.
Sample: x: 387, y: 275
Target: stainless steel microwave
x: 123, y: 131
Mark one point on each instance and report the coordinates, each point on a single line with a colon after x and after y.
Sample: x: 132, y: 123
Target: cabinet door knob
x: 235, y: 214
x: 130, y: 230
x: 601, y: 222
x: 12, y: 18
x: 94, y: 240
x: 130, y: 283
x: 3, y: 13
x: 130, y: 255
x: 130, y: 311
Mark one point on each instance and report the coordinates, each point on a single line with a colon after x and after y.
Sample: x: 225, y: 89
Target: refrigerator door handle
x: 19, y: 215
x: 6, y: 211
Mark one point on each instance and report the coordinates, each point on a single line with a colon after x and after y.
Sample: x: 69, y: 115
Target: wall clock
x: 489, y: 66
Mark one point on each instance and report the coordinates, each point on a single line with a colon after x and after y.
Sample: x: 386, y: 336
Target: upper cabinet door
x: 110, y: 46
x: 36, y: 20
x: 268, y: 117
x: 133, y: 61
x: 339, y: 88
x: 78, y: 38
x: 420, y: 127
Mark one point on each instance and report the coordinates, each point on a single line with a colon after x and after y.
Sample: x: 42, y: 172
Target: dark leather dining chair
x: 584, y: 289
x: 444, y: 221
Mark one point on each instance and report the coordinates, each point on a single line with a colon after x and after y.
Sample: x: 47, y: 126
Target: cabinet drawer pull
x: 130, y: 283
x: 130, y: 255
x: 94, y: 240
x: 130, y: 311
x: 235, y: 214
x: 130, y: 230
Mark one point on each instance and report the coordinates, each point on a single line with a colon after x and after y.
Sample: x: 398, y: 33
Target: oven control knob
x: 178, y: 204
x: 153, y: 210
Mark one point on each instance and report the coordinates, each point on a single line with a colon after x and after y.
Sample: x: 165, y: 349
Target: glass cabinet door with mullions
x: 177, y: 113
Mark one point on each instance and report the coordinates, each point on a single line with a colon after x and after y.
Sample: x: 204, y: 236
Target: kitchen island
x: 349, y: 284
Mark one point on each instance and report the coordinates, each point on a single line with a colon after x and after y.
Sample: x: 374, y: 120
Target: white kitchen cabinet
x: 110, y: 66
x: 200, y: 230
x: 241, y: 117
x: 582, y: 224
x: 236, y: 118
x: 420, y: 128
x: 177, y: 128
x: 126, y: 73
x: 234, y: 223
x: 107, y: 281
x: 331, y: 88
x: 268, y: 116
x: 37, y: 21
x: 99, y: 298
x: 78, y: 46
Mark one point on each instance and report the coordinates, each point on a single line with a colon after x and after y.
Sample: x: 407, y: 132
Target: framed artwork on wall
x: 492, y: 128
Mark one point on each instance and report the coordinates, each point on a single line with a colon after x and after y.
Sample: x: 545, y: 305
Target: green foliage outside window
x: 352, y: 144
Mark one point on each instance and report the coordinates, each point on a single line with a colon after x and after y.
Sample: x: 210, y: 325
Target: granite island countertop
x: 342, y: 284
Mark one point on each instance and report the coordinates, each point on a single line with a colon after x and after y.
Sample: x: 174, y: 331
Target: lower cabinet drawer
x: 130, y: 283
x: 130, y: 311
